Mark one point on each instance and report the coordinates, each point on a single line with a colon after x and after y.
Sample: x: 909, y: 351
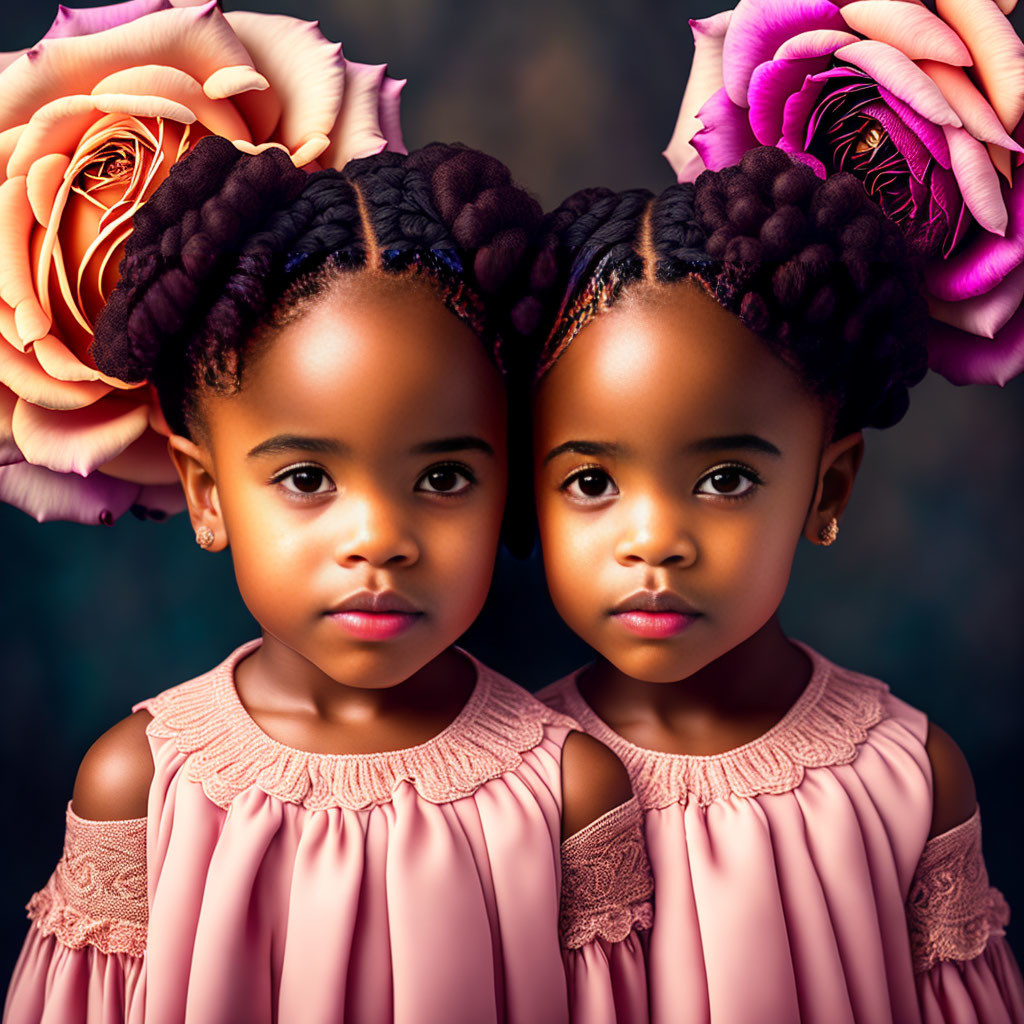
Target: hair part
x: 232, y: 246
x: 812, y: 267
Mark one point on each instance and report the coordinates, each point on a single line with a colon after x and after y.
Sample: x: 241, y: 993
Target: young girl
x: 348, y: 819
x: 815, y: 841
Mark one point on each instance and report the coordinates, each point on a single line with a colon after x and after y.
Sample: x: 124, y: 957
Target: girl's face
x: 677, y: 463
x: 359, y: 477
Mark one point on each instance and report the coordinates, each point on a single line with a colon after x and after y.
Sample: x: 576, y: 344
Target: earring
x: 828, y: 533
x: 204, y: 537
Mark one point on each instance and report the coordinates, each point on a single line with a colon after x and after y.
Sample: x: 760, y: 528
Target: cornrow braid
x: 813, y: 267
x: 231, y: 244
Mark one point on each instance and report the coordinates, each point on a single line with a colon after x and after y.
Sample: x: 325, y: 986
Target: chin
x: 654, y: 664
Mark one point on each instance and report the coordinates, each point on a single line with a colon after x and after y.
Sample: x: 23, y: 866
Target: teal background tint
x: 923, y: 588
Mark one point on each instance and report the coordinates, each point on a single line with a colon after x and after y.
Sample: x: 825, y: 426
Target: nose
x: 654, y: 532
x: 374, y: 532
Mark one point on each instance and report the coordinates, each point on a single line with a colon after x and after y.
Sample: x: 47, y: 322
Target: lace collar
x: 824, y: 727
x: 226, y: 751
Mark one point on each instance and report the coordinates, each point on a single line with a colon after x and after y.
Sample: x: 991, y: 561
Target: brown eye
x: 446, y: 480
x: 590, y: 483
x: 728, y: 482
x: 306, y: 480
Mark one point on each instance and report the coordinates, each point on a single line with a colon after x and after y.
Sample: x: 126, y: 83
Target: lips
x: 375, y: 614
x: 654, y: 614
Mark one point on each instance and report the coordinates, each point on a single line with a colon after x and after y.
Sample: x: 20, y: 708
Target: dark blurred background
x: 924, y: 587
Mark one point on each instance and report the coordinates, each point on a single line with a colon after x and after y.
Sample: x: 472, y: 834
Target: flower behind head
x: 923, y: 107
x: 91, y: 120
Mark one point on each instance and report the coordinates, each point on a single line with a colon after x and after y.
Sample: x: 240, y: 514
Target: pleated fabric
x: 782, y: 869
x: 419, y: 886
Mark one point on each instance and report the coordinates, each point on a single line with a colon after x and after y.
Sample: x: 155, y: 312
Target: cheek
x: 570, y: 543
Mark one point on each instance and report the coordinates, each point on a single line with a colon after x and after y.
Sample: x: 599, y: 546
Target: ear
x: 836, y: 472
x: 195, y: 468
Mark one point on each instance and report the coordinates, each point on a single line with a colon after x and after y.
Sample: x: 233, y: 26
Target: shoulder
x: 114, y: 777
x: 953, y: 796
x: 594, y: 782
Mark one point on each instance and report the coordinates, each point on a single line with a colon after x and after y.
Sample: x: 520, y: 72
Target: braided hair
x: 231, y: 244
x: 812, y: 267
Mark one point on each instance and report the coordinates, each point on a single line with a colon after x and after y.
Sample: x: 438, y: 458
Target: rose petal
x: 144, y: 461
x: 911, y: 148
x: 1006, y: 6
x: 25, y: 377
x: 308, y: 72
x: 62, y: 364
x: 8, y: 140
x: 390, y: 113
x: 55, y: 127
x: 49, y: 496
x: 971, y: 107
x: 813, y: 44
x: 796, y: 134
x: 357, y: 132
x: 912, y: 30
x: 981, y: 264
x: 964, y: 358
x: 9, y: 453
x: 83, y: 21
x: 10, y: 57
x: 79, y: 440
x: 771, y: 85
x: 978, y: 180
x: 997, y: 51
x: 219, y: 116
x: 705, y: 79
x: 726, y: 134
x: 931, y: 135
x: 226, y: 83
x: 757, y: 30
x: 16, y: 287
x: 1001, y: 160
x: 42, y: 183
x: 196, y: 40
x: 986, y: 315
x: 901, y: 76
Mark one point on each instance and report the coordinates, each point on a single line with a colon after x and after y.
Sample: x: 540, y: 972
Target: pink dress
x: 794, y: 879
x: 420, y: 886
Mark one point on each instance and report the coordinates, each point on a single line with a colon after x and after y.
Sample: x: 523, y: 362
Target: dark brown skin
x: 676, y: 453
x: 368, y: 395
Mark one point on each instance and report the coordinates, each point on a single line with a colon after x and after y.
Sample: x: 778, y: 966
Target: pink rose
x: 925, y: 108
x: 91, y: 120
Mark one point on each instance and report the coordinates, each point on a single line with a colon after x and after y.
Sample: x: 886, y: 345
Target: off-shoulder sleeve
x: 606, y: 908
x: 82, y: 960
x: 966, y: 973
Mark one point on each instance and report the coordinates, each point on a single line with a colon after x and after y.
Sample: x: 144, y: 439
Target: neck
x: 764, y: 675
x: 276, y: 677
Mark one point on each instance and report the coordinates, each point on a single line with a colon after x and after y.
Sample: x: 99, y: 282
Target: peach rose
x: 91, y: 119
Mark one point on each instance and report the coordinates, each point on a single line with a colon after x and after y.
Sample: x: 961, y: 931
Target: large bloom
x: 924, y: 107
x: 91, y: 120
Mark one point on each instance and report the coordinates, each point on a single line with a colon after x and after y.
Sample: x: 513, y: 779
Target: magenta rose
x: 925, y: 108
x: 91, y: 120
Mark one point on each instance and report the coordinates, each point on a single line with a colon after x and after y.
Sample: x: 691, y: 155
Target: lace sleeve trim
x: 606, y: 879
x: 952, y: 911
x: 97, y: 894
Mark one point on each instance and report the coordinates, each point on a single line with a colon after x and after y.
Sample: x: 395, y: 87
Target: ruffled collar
x: 226, y: 752
x: 824, y: 727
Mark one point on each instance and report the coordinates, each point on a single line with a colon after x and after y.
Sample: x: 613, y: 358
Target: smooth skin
x: 363, y: 453
x: 677, y: 455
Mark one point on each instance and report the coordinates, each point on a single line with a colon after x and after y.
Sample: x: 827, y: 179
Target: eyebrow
x: 283, y: 443
x: 597, y: 448
x: 745, y: 442
x: 463, y: 443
